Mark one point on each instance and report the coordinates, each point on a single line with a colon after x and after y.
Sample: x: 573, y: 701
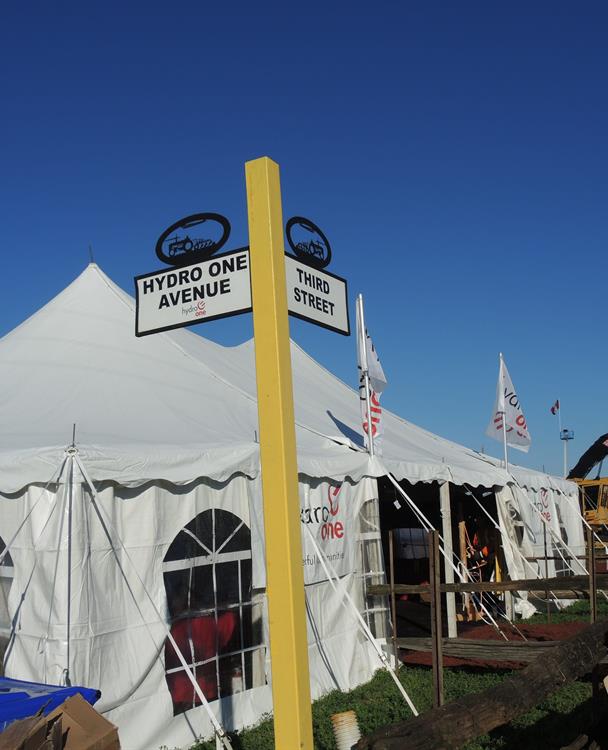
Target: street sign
x: 203, y: 286
x: 317, y: 296
x: 215, y: 288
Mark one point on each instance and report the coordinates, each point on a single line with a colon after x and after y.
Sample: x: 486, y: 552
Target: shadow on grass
x: 551, y: 731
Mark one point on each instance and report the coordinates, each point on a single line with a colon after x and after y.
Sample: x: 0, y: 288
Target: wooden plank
x: 455, y: 723
x: 572, y: 583
x: 485, y: 650
x: 423, y: 644
x: 546, y: 571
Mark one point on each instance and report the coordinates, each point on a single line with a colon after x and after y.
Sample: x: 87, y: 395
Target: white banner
x: 330, y: 511
x: 508, y: 412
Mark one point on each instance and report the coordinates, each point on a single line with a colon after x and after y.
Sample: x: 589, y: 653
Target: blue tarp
x: 19, y: 699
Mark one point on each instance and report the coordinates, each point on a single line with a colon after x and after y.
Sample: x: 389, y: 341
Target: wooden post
x: 462, y: 539
x: 592, y: 578
x: 597, y: 685
x: 436, y: 625
x: 547, y: 602
x: 448, y: 546
x: 391, y: 562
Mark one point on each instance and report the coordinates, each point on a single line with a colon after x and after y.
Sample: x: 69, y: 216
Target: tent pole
x: 69, y: 612
x: 504, y: 439
x: 504, y: 410
x: 446, y: 526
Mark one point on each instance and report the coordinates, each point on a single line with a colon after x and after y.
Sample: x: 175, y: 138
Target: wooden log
x: 579, y: 743
x: 460, y: 721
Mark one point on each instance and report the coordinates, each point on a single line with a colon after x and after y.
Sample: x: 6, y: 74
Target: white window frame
x: 215, y: 557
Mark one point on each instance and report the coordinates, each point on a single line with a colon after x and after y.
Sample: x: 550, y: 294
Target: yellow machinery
x: 593, y: 494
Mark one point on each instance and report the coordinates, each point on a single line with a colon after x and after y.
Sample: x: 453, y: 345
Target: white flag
x: 369, y: 362
x: 508, y: 412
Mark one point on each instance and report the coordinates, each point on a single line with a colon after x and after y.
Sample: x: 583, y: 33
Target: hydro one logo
x: 326, y: 515
x: 197, y: 310
x: 542, y: 504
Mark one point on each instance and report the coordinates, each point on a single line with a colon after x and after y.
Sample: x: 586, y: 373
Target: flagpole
x: 504, y: 416
x: 565, y: 442
x: 364, y: 367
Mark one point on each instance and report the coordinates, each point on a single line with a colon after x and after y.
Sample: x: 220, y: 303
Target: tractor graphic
x: 314, y: 248
x: 177, y: 247
x: 180, y: 245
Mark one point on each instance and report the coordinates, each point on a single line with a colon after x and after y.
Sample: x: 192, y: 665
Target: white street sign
x: 221, y: 287
x: 316, y: 296
x: 215, y: 288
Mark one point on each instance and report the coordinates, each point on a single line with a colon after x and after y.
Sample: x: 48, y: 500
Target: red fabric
x: 198, y: 638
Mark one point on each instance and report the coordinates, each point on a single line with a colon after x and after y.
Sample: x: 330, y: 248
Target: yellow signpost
x: 285, y: 578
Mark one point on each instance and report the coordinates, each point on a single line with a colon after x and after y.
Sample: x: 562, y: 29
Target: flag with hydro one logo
x: 508, y: 414
x: 368, y: 360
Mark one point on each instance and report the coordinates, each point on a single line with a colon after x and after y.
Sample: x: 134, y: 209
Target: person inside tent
x: 481, y: 550
x: 200, y: 638
x: 481, y: 554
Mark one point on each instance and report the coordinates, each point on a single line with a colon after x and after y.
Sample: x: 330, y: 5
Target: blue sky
x: 455, y: 154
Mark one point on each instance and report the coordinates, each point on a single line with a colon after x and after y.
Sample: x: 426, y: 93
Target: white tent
x: 156, y: 511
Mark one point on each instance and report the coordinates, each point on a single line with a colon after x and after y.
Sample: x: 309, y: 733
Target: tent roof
x: 329, y: 407
x: 176, y: 406
x: 144, y: 408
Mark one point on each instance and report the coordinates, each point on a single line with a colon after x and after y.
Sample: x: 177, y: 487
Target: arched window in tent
x: 214, y: 617
x: 7, y: 573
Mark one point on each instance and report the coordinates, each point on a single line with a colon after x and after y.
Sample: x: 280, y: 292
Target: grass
x: 553, y: 723
x: 562, y: 717
x: 579, y: 611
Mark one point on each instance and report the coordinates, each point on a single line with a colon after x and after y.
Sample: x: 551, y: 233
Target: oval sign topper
x: 308, y: 242
x: 192, y: 239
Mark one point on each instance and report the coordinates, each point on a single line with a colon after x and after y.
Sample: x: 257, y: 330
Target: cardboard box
x: 74, y: 725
